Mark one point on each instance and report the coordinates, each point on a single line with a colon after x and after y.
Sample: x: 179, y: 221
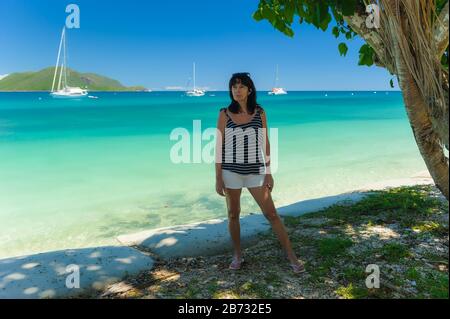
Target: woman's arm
x: 220, y: 134
x: 266, y: 148
x: 268, y: 179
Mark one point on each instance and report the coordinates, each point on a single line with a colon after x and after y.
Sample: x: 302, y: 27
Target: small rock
x: 442, y: 267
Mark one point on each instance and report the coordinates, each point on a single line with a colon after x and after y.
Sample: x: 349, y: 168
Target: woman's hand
x: 220, y: 186
x: 268, y: 182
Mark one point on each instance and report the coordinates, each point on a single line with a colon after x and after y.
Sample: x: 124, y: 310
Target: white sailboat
x: 61, y: 89
x: 277, y: 90
x: 195, y: 91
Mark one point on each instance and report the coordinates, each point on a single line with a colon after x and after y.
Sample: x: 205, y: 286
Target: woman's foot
x: 236, y: 263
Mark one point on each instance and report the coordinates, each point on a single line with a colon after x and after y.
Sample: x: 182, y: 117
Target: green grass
x: 212, y: 288
x: 430, y: 227
x: 255, y: 290
x: 331, y: 247
x: 291, y: 221
x: 351, y: 292
x: 320, y: 270
x: 329, y: 258
x: 394, y: 204
x: 435, y: 257
x: 192, y: 292
x: 354, y: 274
x: 413, y: 274
x: 394, y: 252
x: 433, y: 284
x: 272, y: 278
x: 226, y: 294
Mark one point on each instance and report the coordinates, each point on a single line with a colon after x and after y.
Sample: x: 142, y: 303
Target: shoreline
x: 46, y: 272
x: 125, y: 91
x: 211, y: 237
x: 260, y: 91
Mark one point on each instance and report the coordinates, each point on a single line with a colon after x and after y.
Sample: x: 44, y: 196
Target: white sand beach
x: 44, y: 275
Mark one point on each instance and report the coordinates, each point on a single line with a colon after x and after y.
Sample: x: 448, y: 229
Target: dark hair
x: 244, y: 79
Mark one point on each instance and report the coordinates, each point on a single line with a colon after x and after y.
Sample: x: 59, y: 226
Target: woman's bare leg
x: 233, y: 197
x: 264, y: 199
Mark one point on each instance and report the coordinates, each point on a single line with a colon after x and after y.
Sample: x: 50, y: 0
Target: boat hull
x: 195, y: 94
x: 68, y: 96
x: 277, y: 91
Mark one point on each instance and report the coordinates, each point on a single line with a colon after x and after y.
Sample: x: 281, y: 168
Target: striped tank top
x: 242, y: 150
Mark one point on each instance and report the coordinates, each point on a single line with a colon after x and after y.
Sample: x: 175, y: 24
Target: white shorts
x: 234, y: 180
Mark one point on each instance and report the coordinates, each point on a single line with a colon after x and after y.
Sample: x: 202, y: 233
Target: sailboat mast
x: 57, y: 59
x: 194, y: 75
x: 65, y: 61
x: 62, y: 64
x: 276, y: 78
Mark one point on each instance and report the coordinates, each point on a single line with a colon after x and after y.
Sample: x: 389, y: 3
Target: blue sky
x: 153, y: 43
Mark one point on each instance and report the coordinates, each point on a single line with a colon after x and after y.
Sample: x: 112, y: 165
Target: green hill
x: 42, y: 81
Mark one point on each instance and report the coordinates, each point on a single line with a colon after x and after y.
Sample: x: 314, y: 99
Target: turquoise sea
x: 77, y: 173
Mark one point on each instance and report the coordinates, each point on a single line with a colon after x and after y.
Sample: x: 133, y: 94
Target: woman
x: 242, y: 140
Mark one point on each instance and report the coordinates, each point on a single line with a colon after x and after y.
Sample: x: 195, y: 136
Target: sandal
x: 298, y: 268
x: 236, y: 264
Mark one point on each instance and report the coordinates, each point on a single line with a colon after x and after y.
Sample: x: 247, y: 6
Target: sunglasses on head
x: 241, y: 74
